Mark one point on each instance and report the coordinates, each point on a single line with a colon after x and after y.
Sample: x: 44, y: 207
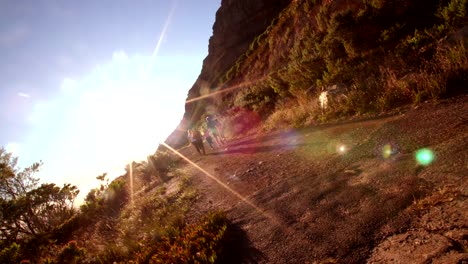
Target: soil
x: 348, y: 192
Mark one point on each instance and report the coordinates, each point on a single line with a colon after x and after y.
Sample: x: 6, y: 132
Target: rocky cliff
x: 284, y: 53
x: 237, y: 23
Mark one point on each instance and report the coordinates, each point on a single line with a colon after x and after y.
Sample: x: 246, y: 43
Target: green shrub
x: 161, y: 163
x: 117, y: 195
x: 445, y: 75
x: 297, y: 112
x: 62, y: 233
x: 395, y: 92
x: 153, y: 215
x: 11, y: 254
x: 197, y: 243
x: 113, y: 253
x: 71, y: 253
x: 454, y: 13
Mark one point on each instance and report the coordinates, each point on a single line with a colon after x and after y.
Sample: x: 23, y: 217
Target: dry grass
x: 298, y: 112
x: 443, y: 75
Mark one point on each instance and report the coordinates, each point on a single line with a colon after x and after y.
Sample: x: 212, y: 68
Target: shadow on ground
x: 238, y: 248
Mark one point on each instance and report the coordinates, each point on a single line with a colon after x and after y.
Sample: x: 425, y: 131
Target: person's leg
x: 196, y: 147
x: 210, y: 142
x: 202, y: 147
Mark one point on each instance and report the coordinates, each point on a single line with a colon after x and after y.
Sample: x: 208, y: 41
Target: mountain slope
x: 237, y: 24
x: 270, y: 56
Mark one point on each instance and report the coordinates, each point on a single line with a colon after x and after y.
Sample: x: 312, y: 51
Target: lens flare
x: 424, y: 156
x: 387, y: 151
x: 225, y: 90
x: 164, y: 30
x: 341, y: 149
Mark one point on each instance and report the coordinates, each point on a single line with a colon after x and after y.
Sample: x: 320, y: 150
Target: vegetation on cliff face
x: 237, y: 23
x: 381, y: 54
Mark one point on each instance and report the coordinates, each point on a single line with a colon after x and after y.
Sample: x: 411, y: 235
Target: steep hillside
x: 237, y: 24
x: 376, y: 55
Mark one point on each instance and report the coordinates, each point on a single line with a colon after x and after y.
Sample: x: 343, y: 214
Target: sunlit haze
x: 89, y: 86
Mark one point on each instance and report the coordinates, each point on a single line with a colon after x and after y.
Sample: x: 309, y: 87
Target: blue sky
x: 87, y: 86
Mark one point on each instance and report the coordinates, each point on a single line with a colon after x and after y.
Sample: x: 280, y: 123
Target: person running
x: 196, y: 140
x: 208, y: 138
x: 212, y: 124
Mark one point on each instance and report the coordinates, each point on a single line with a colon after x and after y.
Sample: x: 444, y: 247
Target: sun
x: 117, y: 113
x: 122, y: 111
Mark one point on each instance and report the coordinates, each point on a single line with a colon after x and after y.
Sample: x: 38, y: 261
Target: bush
x: 454, y: 13
x: 11, y: 254
x: 71, y: 253
x: 297, y: 112
x: 161, y: 162
x: 198, y: 243
x: 395, y: 91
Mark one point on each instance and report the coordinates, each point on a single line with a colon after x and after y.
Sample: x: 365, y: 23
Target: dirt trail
x: 345, y: 193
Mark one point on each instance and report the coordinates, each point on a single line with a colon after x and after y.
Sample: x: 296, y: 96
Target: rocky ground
x: 349, y: 192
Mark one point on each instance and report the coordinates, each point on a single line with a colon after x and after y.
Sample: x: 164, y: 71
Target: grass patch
x: 297, y: 112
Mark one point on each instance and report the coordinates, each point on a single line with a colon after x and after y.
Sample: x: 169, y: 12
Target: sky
x: 88, y: 86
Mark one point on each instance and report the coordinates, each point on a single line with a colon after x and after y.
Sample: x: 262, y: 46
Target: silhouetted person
x: 195, y: 138
x: 212, y: 125
x: 208, y: 138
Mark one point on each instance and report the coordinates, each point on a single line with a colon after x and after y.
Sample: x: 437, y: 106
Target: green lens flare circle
x: 424, y: 156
